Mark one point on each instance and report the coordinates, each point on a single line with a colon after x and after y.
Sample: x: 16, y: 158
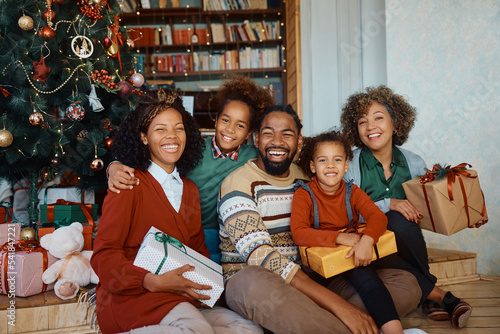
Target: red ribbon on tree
x: 4, y: 92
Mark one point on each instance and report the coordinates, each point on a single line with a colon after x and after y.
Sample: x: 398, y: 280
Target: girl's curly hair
x: 128, y: 147
x: 310, y: 143
x: 403, y: 115
x: 244, y: 89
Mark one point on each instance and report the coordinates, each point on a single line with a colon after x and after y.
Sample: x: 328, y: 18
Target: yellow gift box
x: 449, y: 204
x: 331, y: 261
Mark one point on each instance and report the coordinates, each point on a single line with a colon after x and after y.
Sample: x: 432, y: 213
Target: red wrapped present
x: 449, y: 198
x: 21, y: 267
x: 5, y: 212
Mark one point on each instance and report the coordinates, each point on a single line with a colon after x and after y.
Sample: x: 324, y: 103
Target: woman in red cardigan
x: 162, y: 141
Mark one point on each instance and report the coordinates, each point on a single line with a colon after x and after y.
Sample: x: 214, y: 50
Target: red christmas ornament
x: 49, y: 13
x: 107, y: 42
x: 75, y: 111
x: 46, y: 33
x: 126, y: 89
x: 41, y: 70
x: 107, y: 143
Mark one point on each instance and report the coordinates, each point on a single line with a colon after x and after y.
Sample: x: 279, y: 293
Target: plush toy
x: 73, y: 270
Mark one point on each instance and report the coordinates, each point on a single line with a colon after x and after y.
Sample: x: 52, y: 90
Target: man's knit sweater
x: 254, y: 211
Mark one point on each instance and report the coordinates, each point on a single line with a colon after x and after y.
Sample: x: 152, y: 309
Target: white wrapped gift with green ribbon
x: 160, y: 253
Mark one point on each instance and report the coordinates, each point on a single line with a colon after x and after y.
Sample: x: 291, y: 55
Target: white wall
x: 343, y: 50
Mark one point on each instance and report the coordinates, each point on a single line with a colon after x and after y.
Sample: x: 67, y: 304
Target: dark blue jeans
x: 375, y: 296
x: 412, y: 251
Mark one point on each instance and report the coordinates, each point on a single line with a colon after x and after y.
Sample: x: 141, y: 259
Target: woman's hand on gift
x: 121, y: 176
x: 347, y: 239
x: 362, y: 251
x: 407, y: 209
x: 173, y: 281
x: 479, y: 223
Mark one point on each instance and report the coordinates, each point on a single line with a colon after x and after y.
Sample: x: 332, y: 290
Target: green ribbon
x: 166, y: 239
x: 56, y: 224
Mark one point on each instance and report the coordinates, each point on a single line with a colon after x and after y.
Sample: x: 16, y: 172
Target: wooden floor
x: 483, y: 295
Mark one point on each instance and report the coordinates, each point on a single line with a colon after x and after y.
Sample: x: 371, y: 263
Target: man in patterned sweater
x: 264, y: 283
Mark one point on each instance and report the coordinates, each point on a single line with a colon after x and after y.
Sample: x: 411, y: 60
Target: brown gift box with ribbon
x: 63, y: 213
x: 331, y: 261
x: 21, y: 267
x: 450, y: 198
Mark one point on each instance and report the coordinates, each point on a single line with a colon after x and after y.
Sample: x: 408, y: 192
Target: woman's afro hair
x: 403, y: 115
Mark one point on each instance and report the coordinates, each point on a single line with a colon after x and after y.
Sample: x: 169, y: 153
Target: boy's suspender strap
x: 348, y: 189
x: 304, y: 185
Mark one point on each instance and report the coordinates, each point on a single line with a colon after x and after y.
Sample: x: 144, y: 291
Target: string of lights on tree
x: 66, y: 82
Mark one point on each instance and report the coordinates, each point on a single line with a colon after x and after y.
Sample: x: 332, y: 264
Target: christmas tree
x: 66, y: 82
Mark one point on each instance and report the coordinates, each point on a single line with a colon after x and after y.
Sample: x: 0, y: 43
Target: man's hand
x: 406, y: 209
x: 121, y: 177
x: 347, y: 239
x: 173, y: 281
x: 358, y: 321
x: 362, y: 251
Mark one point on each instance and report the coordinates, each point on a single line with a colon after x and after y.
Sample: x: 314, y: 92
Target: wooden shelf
x: 161, y: 75
x: 209, y: 47
x: 183, y: 15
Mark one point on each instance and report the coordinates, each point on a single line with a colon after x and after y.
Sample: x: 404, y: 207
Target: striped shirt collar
x: 217, y: 153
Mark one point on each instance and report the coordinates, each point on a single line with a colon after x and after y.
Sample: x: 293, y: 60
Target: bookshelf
x: 167, y: 55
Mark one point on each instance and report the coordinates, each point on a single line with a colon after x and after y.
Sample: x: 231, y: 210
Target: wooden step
x: 45, y: 313
x: 451, y: 267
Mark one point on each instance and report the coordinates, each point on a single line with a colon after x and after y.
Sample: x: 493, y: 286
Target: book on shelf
x: 167, y: 35
x: 217, y: 33
x: 248, y: 29
x: 145, y: 4
x: 257, y: 4
x: 142, y: 36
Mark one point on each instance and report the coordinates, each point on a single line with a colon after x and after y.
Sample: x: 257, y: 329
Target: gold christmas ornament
x: 25, y: 22
x: 28, y: 234
x: 112, y: 50
x: 36, y: 119
x: 97, y: 164
x: 6, y: 138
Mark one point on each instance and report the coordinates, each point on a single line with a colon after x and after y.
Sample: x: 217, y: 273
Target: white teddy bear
x: 73, y: 270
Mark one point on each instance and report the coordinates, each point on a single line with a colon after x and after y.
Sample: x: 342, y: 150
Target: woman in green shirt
x: 377, y: 122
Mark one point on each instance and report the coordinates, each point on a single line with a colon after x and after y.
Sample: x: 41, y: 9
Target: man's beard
x: 276, y: 168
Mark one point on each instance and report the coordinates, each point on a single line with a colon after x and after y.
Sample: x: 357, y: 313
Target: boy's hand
x: 121, y: 177
x: 408, y: 210
x: 362, y: 251
x: 347, y: 239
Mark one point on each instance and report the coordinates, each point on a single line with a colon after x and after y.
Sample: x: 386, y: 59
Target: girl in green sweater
x: 241, y: 101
